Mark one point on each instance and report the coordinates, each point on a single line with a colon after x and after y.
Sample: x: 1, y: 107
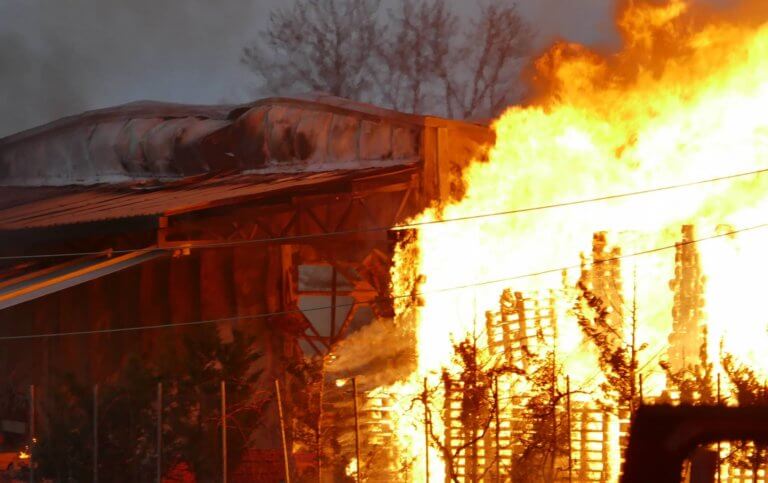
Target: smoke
x: 588, y: 22
x: 60, y: 58
x: 380, y: 354
x: 36, y: 84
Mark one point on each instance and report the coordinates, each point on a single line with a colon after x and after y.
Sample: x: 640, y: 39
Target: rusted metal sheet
x: 71, y: 205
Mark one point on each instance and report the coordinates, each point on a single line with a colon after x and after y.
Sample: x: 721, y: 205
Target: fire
x: 684, y: 100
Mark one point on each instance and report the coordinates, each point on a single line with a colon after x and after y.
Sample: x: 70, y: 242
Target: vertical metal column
x: 426, y: 430
x: 570, y: 439
x: 282, y: 431
x: 159, y: 432
x: 224, y: 431
x: 719, y: 447
x: 498, y: 429
x: 31, y: 433
x: 95, y: 433
x: 357, y: 431
x: 334, y: 277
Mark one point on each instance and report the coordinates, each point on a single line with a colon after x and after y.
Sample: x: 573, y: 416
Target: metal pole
x: 357, y: 431
x: 498, y: 410
x: 426, y: 431
x: 282, y: 431
x: 224, y: 431
x: 641, y: 389
x: 633, y: 363
x: 719, y: 447
x: 95, y: 433
x: 333, y: 303
x: 159, y: 432
x: 554, y: 415
x: 570, y: 442
x: 320, y: 424
x: 31, y: 433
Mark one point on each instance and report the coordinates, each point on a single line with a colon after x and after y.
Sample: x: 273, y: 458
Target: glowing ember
x: 341, y: 382
x: 685, y: 100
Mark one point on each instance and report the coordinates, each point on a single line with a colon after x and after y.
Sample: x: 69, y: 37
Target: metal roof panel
x: 46, y: 207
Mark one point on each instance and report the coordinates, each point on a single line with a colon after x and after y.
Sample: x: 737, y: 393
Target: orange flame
x: 684, y: 100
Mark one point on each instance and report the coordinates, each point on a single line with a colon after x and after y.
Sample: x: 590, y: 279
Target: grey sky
x: 60, y: 57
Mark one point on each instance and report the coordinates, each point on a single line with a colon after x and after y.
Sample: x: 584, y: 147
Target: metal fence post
x: 95, y: 433
x: 224, y: 431
x: 357, y: 430
x: 282, y: 431
x: 31, y: 433
x: 159, y: 432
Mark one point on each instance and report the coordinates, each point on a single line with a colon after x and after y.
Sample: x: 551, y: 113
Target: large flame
x: 686, y: 99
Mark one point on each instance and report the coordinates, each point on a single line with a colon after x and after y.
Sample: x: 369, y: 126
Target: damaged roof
x: 165, y: 142
x: 150, y: 159
x: 25, y: 207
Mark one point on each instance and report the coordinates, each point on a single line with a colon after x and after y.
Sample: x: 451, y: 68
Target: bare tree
x: 416, y: 56
x: 616, y: 357
x: 429, y: 65
x: 485, y: 81
x: 421, y: 62
x: 318, y: 45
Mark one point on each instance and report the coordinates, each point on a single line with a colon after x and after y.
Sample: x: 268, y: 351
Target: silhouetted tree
x: 318, y: 45
x: 617, y: 358
x: 484, y: 79
x: 420, y: 61
x: 694, y: 382
x: 128, y: 414
x: 193, y: 413
x: 750, y: 391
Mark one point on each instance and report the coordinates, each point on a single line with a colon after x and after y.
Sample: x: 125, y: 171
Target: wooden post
x: 570, y: 442
x: 224, y: 431
x: 159, y: 432
x: 282, y: 431
x: 31, y: 433
x: 357, y: 431
x: 426, y: 431
x: 95, y: 433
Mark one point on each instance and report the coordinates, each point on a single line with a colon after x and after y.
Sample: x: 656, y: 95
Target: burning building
x: 127, y: 228
x: 281, y: 210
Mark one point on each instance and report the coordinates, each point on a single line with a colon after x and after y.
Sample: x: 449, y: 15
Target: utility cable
x: 393, y: 297
x: 404, y: 226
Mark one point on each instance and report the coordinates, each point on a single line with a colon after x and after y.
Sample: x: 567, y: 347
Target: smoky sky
x: 61, y: 57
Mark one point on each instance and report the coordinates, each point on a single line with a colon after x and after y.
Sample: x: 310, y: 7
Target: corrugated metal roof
x: 38, y: 207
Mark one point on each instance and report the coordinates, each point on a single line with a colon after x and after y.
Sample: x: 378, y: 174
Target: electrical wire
x: 404, y: 226
x: 392, y: 297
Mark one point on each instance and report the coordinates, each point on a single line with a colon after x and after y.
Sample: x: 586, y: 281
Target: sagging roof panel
x: 156, y: 141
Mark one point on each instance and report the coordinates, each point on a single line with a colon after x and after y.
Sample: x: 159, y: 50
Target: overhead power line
x: 400, y: 226
x: 390, y: 298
